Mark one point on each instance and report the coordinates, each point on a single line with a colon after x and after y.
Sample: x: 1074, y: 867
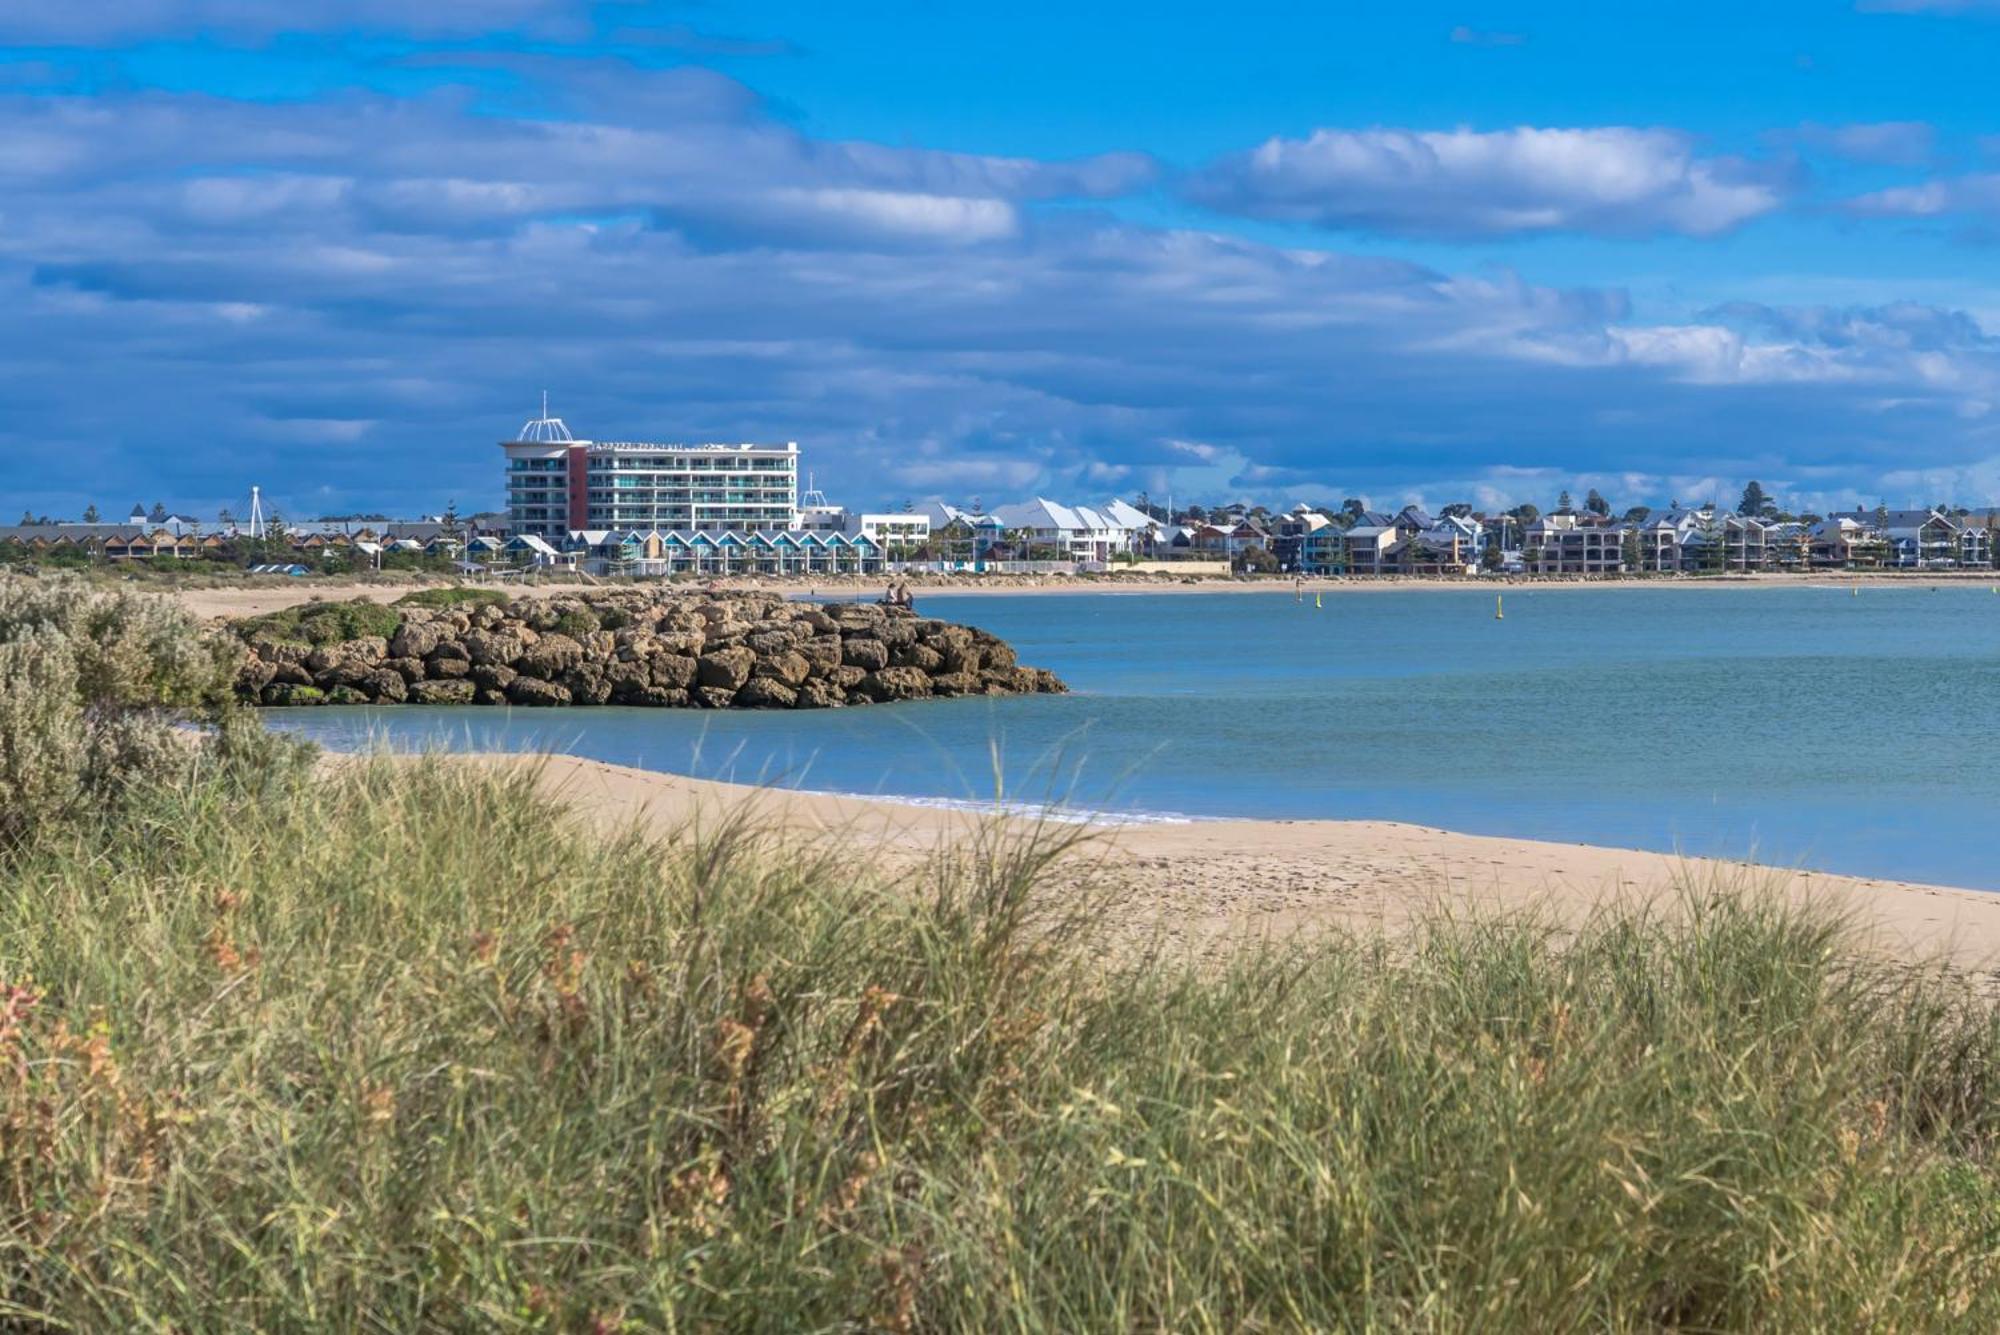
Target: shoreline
x: 235, y: 601
x: 1201, y: 883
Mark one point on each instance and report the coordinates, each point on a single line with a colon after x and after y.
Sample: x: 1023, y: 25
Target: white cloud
x: 1975, y: 193
x: 382, y: 278
x: 1890, y: 143
x: 1612, y: 180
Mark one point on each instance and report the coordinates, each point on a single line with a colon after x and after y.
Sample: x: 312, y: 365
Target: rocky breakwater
x: 622, y: 648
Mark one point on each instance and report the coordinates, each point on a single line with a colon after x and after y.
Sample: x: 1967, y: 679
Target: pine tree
x: 90, y: 514
x: 1756, y: 502
x: 1564, y: 506
x: 1596, y: 504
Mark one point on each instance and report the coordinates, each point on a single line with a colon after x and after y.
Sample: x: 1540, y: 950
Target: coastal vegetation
x: 405, y: 1043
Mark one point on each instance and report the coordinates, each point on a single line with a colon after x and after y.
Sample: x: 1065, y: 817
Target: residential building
x: 558, y: 484
x: 1576, y: 544
x: 1078, y: 533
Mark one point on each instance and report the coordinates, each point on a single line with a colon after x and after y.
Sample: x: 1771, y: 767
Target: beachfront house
x: 1842, y: 542
x: 1933, y: 539
x: 1450, y: 546
x: 1575, y: 544
x: 1067, y: 533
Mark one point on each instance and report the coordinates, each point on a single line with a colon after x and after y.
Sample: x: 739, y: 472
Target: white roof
x: 1042, y: 513
x: 1122, y: 515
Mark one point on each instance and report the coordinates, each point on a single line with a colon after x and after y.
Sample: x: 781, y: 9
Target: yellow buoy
x: 1499, y: 608
x: 1316, y: 601
x: 1856, y: 591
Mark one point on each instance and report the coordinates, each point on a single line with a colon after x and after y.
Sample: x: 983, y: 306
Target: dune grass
x: 406, y: 1046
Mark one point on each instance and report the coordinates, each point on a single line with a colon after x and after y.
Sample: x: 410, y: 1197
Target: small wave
x: 1049, y: 811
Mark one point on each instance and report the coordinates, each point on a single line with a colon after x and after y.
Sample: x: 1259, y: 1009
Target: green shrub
x: 578, y: 622
x: 453, y: 597
x: 416, y: 1048
x: 93, y: 686
x: 322, y: 622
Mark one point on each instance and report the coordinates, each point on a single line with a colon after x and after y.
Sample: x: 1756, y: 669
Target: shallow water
x: 1799, y: 725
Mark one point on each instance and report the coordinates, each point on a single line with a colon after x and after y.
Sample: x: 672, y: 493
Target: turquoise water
x: 1797, y: 725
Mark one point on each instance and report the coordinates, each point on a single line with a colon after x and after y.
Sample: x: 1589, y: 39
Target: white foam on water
x: 1057, y: 812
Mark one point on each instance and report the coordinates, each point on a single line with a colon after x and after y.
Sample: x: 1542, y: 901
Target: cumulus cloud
x: 1465, y: 36
x: 1976, y: 193
x: 99, y: 20
x: 1608, y: 181
x: 1929, y: 6
x: 348, y: 300
x: 1887, y: 143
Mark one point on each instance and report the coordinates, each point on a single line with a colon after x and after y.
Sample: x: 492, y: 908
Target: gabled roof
x: 1126, y: 516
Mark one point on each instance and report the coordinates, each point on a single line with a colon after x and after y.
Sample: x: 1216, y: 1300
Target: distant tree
x: 1564, y: 506
x: 1596, y: 504
x: 1490, y: 558
x: 1457, y: 510
x: 1756, y: 501
x: 1526, y: 513
x: 90, y: 514
x: 1197, y: 514
x: 1354, y: 507
x: 450, y: 525
x: 27, y: 519
x: 224, y: 517
x: 158, y: 515
x: 1638, y: 514
x: 1628, y: 550
x: 1258, y: 561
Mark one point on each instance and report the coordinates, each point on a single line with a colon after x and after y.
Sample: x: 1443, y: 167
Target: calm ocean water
x: 1798, y: 725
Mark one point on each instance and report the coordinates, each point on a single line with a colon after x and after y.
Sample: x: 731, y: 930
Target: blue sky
x: 1430, y: 251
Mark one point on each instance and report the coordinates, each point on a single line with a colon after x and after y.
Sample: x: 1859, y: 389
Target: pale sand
x: 252, y: 600
x: 1206, y: 882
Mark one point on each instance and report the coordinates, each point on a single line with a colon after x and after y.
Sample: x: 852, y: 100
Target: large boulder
x: 918, y: 656
x: 766, y: 693
x: 493, y: 676
x: 895, y: 683
x: 822, y: 654
x: 869, y: 654
x: 549, y: 656
x: 534, y: 691
x: 785, y: 666
x: 493, y: 646
x: 456, y: 692
x: 587, y: 683
x: 727, y: 668
x: 819, y: 693
x: 414, y: 639
x: 674, y: 672
x: 385, y: 686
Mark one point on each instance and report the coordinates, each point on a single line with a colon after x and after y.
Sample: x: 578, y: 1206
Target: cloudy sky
x: 1423, y: 251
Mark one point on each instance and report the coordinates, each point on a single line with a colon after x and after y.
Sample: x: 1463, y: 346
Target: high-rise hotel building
x: 557, y: 484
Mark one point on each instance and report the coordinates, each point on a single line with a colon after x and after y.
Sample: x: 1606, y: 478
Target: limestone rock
x: 455, y: 692
x: 727, y: 668
x: 766, y: 693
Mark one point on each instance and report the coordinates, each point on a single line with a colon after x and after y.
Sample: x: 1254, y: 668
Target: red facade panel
x: 579, y: 486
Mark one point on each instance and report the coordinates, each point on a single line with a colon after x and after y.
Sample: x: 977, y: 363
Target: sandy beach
x: 253, y: 599
x: 1203, y: 884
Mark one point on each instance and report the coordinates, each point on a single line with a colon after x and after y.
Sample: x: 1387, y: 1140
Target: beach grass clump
x: 411, y: 1046
x: 455, y: 596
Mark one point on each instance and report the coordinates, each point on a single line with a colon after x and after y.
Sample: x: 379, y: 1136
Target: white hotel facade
x: 558, y: 485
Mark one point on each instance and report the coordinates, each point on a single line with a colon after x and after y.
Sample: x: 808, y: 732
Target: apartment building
x: 558, y: 484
